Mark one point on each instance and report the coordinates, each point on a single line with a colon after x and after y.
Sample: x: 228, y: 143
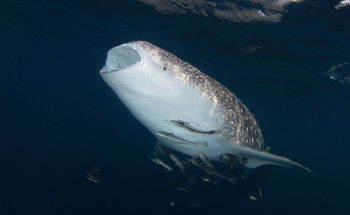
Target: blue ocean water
x: 60, y: 118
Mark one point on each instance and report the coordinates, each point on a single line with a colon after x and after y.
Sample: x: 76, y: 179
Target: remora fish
x: 95, y: 174
x: 189, y: 127
x: 211, y: 171
x: 159, y: 88
x: 160, y: 162
x: 177, y: 162
x: 172, y: 137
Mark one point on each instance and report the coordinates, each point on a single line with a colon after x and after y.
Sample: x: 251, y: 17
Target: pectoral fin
x: 254, y: 158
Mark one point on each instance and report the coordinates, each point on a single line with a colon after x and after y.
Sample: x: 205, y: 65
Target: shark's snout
x: 120, y: 58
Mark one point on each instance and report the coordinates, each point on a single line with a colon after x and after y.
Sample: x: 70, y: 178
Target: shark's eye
x: 164, y: 68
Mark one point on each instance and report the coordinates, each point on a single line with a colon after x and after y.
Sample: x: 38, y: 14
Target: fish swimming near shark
x: 95, y: 174
x: 160, y: 162
x: 185, y: 109
x: 211, y: 171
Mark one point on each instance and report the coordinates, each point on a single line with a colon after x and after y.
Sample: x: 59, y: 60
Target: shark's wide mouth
x: 120, y: 58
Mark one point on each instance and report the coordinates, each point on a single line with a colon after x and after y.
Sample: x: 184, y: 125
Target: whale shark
x: 185, y: 109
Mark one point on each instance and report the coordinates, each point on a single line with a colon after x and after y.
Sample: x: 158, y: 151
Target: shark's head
x: 148, y: 79
x: 128, y: 56
x: 141, y: 66
x: 122, y: 58
x: 156, y: 86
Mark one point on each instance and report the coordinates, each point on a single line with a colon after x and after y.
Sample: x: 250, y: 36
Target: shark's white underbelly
x: 157, y: 110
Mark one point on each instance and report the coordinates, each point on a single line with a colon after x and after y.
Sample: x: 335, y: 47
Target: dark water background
x: 59, y: 117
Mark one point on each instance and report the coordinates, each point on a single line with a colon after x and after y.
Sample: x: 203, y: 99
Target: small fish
x: 161, y: 148
x: 212, y: 171
x: 177, y: 139
x: 205, y: 179
x: 205, y: 160
x: 230, y: 160
x: 177, y: 162
x: 95, y: 174
x: 187, y: 126
x: 182, y: 189
x: 160, y: 162
x: 256, y: 196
